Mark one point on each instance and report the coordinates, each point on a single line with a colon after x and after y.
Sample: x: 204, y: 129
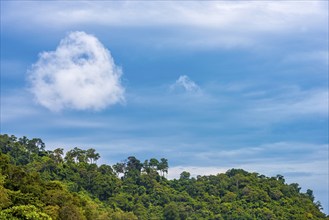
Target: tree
x: 295, y: 186
x: 146, y: 167
x: 24, y: 212
x: 34, y: 146
x: 58, y: 155
x: 37, y: 145
x: 280, y: 178
x: 170, y: 212
x: 105, y: 169
x: 154, y: 163
x: 163, y: 166
x: 119, y: 168
x: 76, y: 155
x: 134, y: 167
x: 309, y: 193
x: 23, y: 141
x: 92, y: 156
x: 5, y: 143
x: 77, y: 188
x: 185, y: 175
x: 4, y: 197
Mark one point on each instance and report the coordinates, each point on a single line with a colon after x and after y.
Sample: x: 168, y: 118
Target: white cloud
x: 80, y: 74
x: 186, y: 84
x: 276, y: 152
x: 272, y: 16
x: 263, y: 104
x: 292, y: 104
x: 196, y: 24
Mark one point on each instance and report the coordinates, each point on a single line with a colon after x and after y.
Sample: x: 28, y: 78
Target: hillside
x: 36, y: 183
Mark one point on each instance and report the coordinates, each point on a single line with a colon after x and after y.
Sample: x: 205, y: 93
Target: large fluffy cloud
x: 80, y: 74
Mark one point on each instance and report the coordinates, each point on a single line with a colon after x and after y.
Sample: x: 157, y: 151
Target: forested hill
x: 36, y: 183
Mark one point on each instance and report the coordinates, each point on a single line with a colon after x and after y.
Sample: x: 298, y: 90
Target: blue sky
x: 208, y: 85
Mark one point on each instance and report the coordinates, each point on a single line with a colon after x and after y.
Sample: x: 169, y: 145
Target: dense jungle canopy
x: 36, y: 183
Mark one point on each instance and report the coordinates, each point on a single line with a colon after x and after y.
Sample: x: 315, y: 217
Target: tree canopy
x: 36, y: 183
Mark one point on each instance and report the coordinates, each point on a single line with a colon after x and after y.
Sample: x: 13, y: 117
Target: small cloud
x: 80, y: 74
x: 184, y: 83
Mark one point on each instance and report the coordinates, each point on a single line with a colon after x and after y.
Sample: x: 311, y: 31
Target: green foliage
x: 171, y: 212
x: 24, y: 212
x: 4, y: 197
x: 40, y: 184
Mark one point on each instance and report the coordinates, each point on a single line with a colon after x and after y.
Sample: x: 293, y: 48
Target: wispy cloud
x: 204, y: 24
x: 278, y: 152
x: 79, y: 74
x: 184, y: 83
x: 289, y: 104
x: 320, y: 56
x: 11, y: 107
x: 262, y: 15
x: 263, y: 103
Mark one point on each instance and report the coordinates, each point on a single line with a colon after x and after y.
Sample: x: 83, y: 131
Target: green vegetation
x: 36, y: 183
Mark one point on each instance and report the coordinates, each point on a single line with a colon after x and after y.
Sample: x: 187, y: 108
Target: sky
x: 209, y: 85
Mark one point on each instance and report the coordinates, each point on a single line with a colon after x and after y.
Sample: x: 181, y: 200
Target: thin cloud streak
x: 319, y: 56
x: 196, y: 24
x: 291, y: 105
x: 265, y: 16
